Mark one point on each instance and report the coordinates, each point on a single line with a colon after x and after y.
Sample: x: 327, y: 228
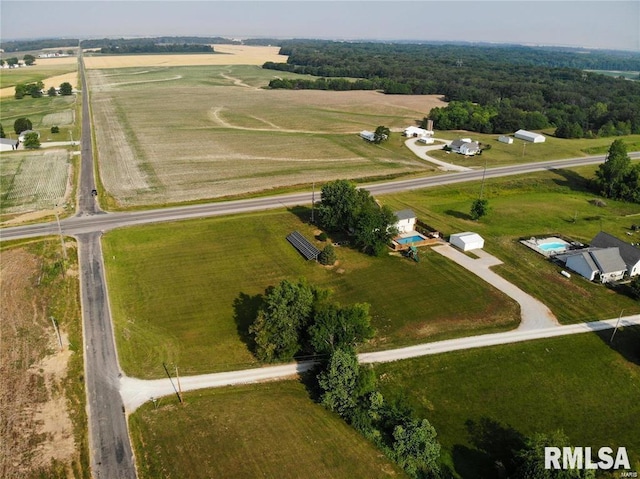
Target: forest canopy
x: 497, y: 88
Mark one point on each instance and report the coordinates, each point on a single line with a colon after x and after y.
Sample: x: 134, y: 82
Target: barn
x: 529, y: 136
x: 467, y: 241
x: 368, y: 135
x: 7, y: 144
x: 505, y: 139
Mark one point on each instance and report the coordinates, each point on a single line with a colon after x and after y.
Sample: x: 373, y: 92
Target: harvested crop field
x: 187, y: 133
x: 225, y: 55
x: 32, y: 180
x: 37, y: 407
x: 51, y: 75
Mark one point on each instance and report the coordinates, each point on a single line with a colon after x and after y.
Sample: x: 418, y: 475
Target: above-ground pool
x: 410, y: 239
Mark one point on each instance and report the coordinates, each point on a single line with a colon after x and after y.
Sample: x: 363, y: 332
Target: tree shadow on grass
x: 494, y: 452
x: 572, y: 180
x: 245, y: 310
x: 626, y: 341
x: 303, y: 213
x: 458, y: 214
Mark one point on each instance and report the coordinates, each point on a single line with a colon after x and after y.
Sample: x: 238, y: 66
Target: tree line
x: 157, y: 48
x: 36, y: 89
x: 164, y: 40
x: 509, y: 86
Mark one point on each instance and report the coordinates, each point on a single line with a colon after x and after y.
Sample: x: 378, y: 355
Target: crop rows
x: 39, y: 181
x: 65, y: 117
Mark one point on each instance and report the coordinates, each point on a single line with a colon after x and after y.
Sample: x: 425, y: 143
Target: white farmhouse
x: 630, y: 254
x: 406, y: 221
x: 467, y: 241
x: 529, y: 136
x: 465, y: 146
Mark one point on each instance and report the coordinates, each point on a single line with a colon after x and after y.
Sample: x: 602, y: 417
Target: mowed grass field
x: 177, y: 134
x: 541, y: 204
x: 579, y: 384
x: 270, y: 430
x: 186, y: 292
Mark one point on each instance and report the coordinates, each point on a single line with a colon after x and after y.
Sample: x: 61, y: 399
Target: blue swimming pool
x: 556, y: 246
x: 410, y: 239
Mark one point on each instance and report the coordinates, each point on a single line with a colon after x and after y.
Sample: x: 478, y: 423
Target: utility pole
x: 524, y: 144
x: 313, y: 201
x: 616, y: 328
x: 64, y: 247
x: 55, y: 326
x: 171, y: 380
x: 179, y: 388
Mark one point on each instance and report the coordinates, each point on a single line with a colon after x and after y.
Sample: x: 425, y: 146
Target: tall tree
x: 29, y: 59
x: 66, y: 89
x: 335, y: 327
x: 276, y: 330
x: 416, y: 449
x: 381, y: 134
x: 22, y: 124
x: 31, y: 141
x: 339, y: 382
x: 479, y: 208
x: 339, y: 200
x: 610, y: 175
x: 374, y: 227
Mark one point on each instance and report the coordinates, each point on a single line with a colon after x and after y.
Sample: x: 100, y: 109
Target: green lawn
x: 268, y: 430
x: 521, y: 151
x: 539, y: 204
x: 43, y: 113
x: 578, y: 384
x: 186, y: 292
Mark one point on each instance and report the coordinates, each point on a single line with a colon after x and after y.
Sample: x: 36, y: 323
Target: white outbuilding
x: 529, y: 136
x: 467, y: 241
x: 368, y: 135
x: 414, y: 131
x: 406, y: 221
x: 505, y: 139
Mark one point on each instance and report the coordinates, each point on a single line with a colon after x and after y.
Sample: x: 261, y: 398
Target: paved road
x: 110, y: 448
x: 136, y: 392
x: 111, y: 455
x: 107, y: 221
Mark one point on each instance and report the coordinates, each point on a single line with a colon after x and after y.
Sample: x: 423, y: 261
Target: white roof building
x: 467, y: 241
x: 414, y: 131
x: 505, y: 139
x: 406, y: 221
x: 368, y: 135
x: 529, y: 136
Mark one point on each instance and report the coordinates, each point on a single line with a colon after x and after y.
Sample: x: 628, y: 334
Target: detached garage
x: 467, y: 241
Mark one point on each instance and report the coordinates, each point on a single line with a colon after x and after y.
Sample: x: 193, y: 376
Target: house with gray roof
x: 630, y: 254
x: 7, y: 144
x: 604, y: 264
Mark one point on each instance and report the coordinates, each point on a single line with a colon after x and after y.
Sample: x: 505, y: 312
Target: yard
x: 482, y: 402
x: 186, y: 292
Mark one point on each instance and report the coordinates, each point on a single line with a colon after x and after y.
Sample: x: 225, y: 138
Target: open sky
x: 590, y: 23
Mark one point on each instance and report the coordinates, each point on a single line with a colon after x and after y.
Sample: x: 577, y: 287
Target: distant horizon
x: 586, y: 24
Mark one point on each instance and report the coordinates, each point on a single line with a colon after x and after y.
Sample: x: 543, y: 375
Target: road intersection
x: 109, y: 391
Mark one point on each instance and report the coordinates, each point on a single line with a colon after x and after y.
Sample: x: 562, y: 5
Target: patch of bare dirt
x: 35, y: 425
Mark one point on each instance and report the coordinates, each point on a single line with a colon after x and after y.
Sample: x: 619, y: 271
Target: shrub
x: 55, y: 129
x: 328, y: 255
x: 322, y: 236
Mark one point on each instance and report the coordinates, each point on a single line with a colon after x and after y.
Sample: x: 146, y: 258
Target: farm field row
x: 216, y: 133
x: 34, y: 180
x: 225, y: 55
x: 187, y: 292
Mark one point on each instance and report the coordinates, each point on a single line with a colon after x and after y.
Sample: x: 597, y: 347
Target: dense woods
x: 491, y: 89
x: 160, y: 41
x: 157, y: 48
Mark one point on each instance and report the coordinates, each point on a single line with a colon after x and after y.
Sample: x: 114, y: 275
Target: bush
x: 328, y: 255
x: 55, y: 129
x: 21, y: 124
x: 322, y: 236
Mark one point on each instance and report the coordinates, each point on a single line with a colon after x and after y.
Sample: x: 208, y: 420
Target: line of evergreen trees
x: 157, y: 48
